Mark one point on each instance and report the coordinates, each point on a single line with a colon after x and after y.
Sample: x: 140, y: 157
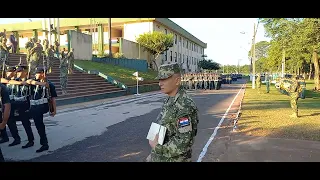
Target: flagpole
x: 137, y: 83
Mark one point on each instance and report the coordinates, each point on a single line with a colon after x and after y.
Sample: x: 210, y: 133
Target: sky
x: 225, y: 44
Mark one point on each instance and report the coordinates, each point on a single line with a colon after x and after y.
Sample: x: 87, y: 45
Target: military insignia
x: 184, y: 125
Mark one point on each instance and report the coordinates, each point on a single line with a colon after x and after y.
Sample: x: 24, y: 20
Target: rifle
x: 50, y: 103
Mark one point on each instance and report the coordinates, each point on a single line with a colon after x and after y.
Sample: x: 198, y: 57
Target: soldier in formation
x: 179, y: 115
x: 199, y: 80
x: 29, y: 99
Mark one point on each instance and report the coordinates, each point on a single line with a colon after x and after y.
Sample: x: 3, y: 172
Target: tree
x: 208, y: 65
x: 155, y: 43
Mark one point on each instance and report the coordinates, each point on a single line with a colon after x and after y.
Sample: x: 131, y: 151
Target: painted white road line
x: 205, y: 148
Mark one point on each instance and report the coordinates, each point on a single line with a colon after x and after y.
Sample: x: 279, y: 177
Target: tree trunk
x: 155, y: 65
x: 310, y: 71
x: 316, y: 69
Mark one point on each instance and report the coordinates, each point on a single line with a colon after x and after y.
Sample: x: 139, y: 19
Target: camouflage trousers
x: 33, y: 65
x: 71, y: 66
x: 205, y: 84
x: 63, y: 83
x: 200, y: 84
x: 151, y: 158
x: 294, y: 96
x: 190, y: 84
x: 49, y: 65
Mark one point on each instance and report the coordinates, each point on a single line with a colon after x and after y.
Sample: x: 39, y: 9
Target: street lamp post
x: 253, y: 54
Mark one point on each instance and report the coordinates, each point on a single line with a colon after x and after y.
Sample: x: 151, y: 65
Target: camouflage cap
x: 167, y: 70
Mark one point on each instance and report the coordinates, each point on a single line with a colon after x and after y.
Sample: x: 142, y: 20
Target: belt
x: 38, y: 102
x: 23, y: 98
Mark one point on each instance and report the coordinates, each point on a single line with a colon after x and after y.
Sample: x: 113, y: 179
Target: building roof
x: 72, y: 22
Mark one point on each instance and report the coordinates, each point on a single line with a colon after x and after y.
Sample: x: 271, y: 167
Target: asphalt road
x: 116, y: 131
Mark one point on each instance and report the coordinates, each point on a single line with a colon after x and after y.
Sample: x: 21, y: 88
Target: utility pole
x: 109, y: 34
x: 283, y: 68
x: 253, y: 57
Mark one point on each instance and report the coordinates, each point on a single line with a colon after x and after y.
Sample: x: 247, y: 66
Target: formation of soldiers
x: 48, y: 53
x: 201, y: 81
x: 30, y: 98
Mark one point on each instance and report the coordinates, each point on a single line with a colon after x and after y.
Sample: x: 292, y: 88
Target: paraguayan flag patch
x: 184, y: 122
x: 184, y: 125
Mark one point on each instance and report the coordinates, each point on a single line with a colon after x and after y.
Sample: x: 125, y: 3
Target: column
x: 100, y: 40
x: 16, y: 34
x: 35, y: 34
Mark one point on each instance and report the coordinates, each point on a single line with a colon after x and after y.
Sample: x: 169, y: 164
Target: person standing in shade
x: 179, y: 115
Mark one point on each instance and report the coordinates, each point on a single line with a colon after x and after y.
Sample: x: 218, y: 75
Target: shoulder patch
x: 184, y: 125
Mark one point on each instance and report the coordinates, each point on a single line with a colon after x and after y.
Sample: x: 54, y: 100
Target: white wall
x: 82, y: 44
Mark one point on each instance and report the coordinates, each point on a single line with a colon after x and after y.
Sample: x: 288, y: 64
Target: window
x: 166, y: 56
x: 175, y: 56
x: 180, y: 39
x: 165, y: 30
x: 175, y: 39
x: 180, y: 57
x: 183, y: 43
x: 183, y: 59
x: 170, y: 55
x: 192, y: 60
x: 187, y: 60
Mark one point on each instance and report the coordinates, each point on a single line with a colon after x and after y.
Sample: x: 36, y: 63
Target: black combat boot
x: 43, y: 148
x: 29, y: 144
x: 15, y: 142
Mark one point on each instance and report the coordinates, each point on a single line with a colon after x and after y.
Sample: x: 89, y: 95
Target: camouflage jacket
x: 36, y: 52
x: 29, y: 45
x: 63, y: 66
x: 49, y: 53
x: 70, y: 56
x: 179, y: 115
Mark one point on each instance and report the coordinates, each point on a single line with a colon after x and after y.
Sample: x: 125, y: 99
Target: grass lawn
x: 267, y: 114
x: 124, y: 75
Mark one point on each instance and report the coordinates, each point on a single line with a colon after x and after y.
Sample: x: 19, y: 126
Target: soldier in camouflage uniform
x: 48, y: 52
x: 190, y: 80
x: 29, y: 45
x: 4, y: 49
x: 56, y: 48
x: 258, y: 82
x: 70, y: 57
x: 63, y: 75
x: 205, y: 81
x: 179, y: 115
x: 294, y: 92
x: 35, y: 55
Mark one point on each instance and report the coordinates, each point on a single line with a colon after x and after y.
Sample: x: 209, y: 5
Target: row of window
x: 189, y: 60
x: 187, y: 44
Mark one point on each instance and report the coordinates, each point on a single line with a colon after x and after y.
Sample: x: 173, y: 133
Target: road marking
x: 205, y: 148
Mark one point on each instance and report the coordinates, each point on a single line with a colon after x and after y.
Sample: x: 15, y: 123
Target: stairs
x: 81, y: 86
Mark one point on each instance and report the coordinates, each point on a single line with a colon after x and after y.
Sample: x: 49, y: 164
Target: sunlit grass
x: 121, y: 74
x: 267, y: 114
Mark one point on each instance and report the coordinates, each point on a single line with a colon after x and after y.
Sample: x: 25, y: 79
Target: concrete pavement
x: 116, y: 130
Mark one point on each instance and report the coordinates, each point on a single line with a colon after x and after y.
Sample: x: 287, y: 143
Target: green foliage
x: 299, y: 38
x: 156, y: 43
x: 208, y: 65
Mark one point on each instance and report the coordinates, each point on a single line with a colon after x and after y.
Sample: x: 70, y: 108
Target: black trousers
x: 36, y: 113
x: 1, y: 156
